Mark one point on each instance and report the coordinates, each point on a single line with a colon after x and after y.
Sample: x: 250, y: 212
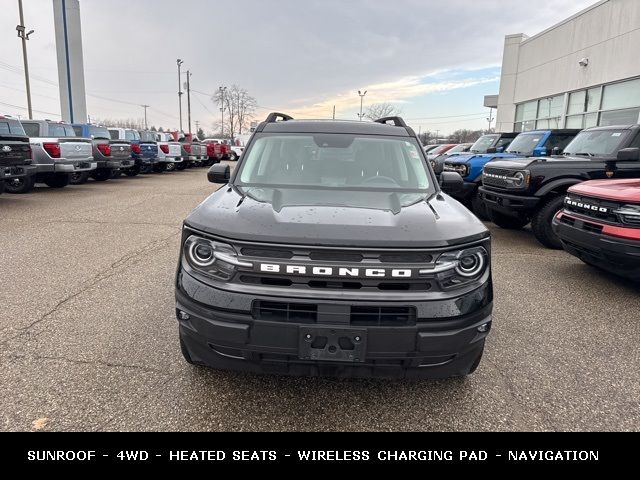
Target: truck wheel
x: 20, y: 185
x: 479, y: 208
x: 507, y: 222
x: 171, y: 167
x: 101, y: 175
x: 133, y: 171
x: 1, y: 187
x: 79, y: 178
x: 541, y: 223
x: 233, y: 156
x: 59, y: 180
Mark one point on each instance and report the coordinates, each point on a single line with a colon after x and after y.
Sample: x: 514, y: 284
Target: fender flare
x: 563, y: 182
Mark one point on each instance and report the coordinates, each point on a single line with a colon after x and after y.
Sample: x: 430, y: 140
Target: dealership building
x: 582, y: 72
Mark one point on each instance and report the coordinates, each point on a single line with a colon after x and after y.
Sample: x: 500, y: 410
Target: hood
x: 627, y: 190
x: 521, y: 163
x: 372, y: 219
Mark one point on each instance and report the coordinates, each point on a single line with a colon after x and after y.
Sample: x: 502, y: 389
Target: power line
x: 26, y: 109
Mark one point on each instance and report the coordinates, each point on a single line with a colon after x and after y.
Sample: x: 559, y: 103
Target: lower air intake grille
x: 285, y: 312
x: 383, y: 316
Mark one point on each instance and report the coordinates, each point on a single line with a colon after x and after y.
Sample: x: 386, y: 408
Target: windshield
x: 596, y: 142
x: 439, y: 150
x: 131, y: 135
x: 525, y: 143
x: 12, y: 127
x: 99, y: 133
x: 484, y: 143
x: 148, y: 136
x: 335, y: 162
x: 61, y: 130
x: 458, y: 148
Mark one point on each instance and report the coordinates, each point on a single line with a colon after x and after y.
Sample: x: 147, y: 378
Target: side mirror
x: 629, y: 155
x: 492, y: 150
x: 556, y: 151
x: 219, y: 173
x: 451, y: 182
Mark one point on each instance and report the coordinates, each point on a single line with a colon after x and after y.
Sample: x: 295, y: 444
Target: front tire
x: 507, y: 222
x: 20, y: 185
x: 59, y: 180
x: 233, y: 156
x: 541, y: 223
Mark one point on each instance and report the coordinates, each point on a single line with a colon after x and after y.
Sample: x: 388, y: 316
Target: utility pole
x: 334, y: 112
x: 145, y: 115
x: 189, y: 99
x: 180, y: 62
x: 222, y: 90
x: 437, y: 135
x: 361, y: 115
x: 197, y: 127
x: 490, y: 119
x: 24, y: 35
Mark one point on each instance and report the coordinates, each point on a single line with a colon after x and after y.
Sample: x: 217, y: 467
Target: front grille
x: 594, y: 208
x: 586, y: 226
x: 307, y: 313
x: 319, y: 284
x: 496, y: 181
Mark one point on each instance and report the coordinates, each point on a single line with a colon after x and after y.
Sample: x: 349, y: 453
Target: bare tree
x: 238, y: 106
x: 381, y: 110
x: 465, y: 136
x: 137, y: 124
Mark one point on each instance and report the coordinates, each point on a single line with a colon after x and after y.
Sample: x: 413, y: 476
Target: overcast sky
x: 434, y: 58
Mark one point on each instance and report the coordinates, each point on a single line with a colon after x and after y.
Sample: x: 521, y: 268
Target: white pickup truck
x: 56, y: 154
x: 169, y: 151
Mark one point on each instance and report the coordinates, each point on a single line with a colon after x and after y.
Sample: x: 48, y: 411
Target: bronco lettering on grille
x: 336, y: 271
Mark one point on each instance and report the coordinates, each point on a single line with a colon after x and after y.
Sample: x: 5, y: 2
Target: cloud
x: 399, y: 91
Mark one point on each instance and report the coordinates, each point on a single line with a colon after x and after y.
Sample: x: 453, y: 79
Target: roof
x: 614, y: 127
x: 335, y: 126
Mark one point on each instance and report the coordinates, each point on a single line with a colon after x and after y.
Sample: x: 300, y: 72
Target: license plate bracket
x: 333, y: 344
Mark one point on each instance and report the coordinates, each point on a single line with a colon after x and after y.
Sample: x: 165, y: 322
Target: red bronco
x: 600, y: 224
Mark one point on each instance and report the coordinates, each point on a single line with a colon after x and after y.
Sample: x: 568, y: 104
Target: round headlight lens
x: 518, y: 179
x: 470, y: 264
x: 201, y: 253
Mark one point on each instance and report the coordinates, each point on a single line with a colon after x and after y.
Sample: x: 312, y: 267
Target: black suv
x: 520, y: 191
x: 15, y: 151
x: 331, y: 250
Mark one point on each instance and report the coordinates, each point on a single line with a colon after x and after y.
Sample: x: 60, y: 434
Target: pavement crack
x: 101, y: 363
x: 116, y: 267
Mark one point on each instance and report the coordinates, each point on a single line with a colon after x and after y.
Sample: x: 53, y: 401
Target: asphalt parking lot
x: 89, y: 339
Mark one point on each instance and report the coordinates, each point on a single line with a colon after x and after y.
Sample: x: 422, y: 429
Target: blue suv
x: 536, y: 143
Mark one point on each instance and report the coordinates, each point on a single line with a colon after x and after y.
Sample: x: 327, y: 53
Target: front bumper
x: 617, y: 255
x: 508, y: 204
x: 222, y: 332
x: 468, y: 191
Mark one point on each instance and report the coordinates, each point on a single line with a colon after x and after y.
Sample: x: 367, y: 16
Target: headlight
x: 629, y: 215
x: 519, y: 180
x: 459, y: 168
x: 211, y: 258
x: 458, y: 268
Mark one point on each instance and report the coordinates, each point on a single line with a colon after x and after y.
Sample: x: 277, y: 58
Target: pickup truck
x: 536, y: 143
x: 214, y: 151
x: 600, y: 224
x: 149, y: 152
x: 519, y: 191
x: 169, y: 151
x: 141, y: 164
x: 15, y: 151
x: 56, y: 154
x: 193, y: 152
x: 110, y: 155
x: 229, y: 152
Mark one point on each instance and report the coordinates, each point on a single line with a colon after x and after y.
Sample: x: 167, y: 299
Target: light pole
x: 24, y: 35
x: 145, y: 115
x: 361, y: 115
x: 222, y: 90
x: 189, y: 99
x: 180, y: 62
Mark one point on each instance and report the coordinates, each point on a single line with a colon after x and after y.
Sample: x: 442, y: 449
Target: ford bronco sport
x: 331, y: 250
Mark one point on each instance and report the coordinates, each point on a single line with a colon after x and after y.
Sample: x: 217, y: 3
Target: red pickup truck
x: 215, y: 151
x: 600, y: 224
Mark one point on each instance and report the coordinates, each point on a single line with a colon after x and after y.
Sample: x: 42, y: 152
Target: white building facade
x: 582, y: 72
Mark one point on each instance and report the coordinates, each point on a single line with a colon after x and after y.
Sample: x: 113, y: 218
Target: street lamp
x: 361, y: 115
x: 24, y: 36
x: 180, y: 62
x: 222, y: 91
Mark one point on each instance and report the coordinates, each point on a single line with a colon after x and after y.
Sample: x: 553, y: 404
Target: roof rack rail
x: 397, y: 121
x: 274, y: 116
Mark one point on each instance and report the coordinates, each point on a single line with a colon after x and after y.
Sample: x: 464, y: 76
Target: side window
x: 78, y: 131
x: 560, y: 141
x: 31, y: 129
x: 636, y: 142
x: 114, y: 134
